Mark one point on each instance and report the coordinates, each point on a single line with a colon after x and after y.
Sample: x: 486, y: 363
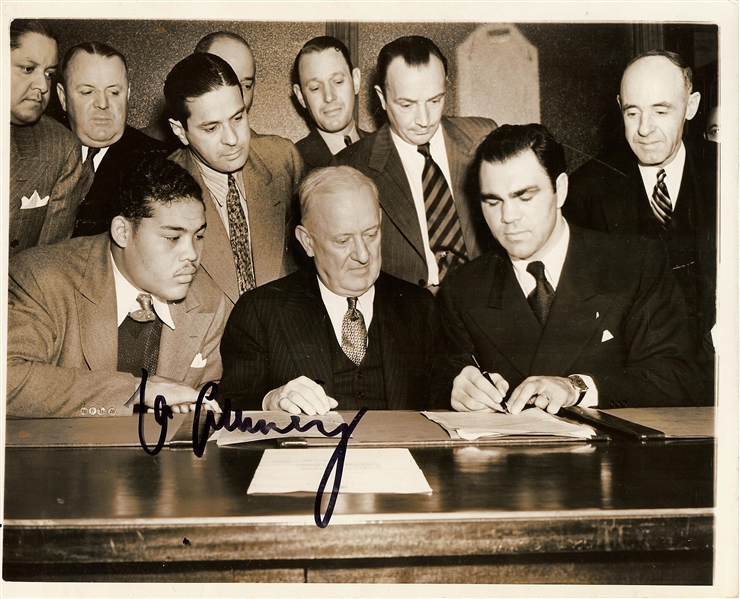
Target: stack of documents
x: 532, y: 421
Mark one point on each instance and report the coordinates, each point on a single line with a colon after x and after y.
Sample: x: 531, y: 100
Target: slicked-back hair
x: 676, y: 59
x: 205, y: 43
x: 154, y: 180
x: 319, y: 44
x: 94, y: 49
x: 509, y: 141
x: 192, y: 77
x: 331, y: 180
x: 415, y: 50
x: 20, y: 27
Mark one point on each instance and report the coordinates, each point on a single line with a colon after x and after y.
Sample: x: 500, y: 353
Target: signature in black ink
x: 162, y: 412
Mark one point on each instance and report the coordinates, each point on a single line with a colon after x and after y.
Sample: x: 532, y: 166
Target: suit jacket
x: 279, y: 332
x: 63, y: 333
x: 97, y: 209
x: 271, y: 175
x: 607, y: 194
x: 376, y: 156
x: 617, y: 316
x: 44, y: 158
x: 315, y: 152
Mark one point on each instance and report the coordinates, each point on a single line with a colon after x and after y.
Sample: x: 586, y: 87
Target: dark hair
x: 675, y: 59
x: 509, y: 141
x: 205, y: 43
x: 192, y: 77
x: 415, y: 50
x: 20, y: 27
x: 94, y: 49
x: 319, y: 44
x: 154, y: 180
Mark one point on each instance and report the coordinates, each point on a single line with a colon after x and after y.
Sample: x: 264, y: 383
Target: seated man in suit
x: 420, y: 162
x: 342, y: 334
x: 326, y: 85
x: 94, y: 92
x: 659, y: 186
x: 247, y: 182
x: 86, y: 315
x: 560, y: 315
x: 45, y: 166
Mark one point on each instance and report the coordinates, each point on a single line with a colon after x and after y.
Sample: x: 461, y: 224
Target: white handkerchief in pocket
x: 199, y: 362
x: 606, y: 335
x: 34, y: 201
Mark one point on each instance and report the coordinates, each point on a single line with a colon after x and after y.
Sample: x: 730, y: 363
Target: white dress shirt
x: 218, y: 184
x: 553, y: 261
x: 126, y: 295
x: 335, y: 141
x: 673, y: 175
x: 413, y: 164
x: 336, y: 306
x: 98, y: 157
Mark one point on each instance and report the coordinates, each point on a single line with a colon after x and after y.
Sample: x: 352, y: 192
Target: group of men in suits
x: 449, y: 203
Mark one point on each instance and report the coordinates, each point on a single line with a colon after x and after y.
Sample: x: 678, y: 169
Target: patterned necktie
x: 239, y: 237
x: 660, y: 201
x: 540, y: 299
x: 145, y: 313
x: 445, y: 233
x: 88, y: 171
x: 354, y: 333
x: 347, y: 140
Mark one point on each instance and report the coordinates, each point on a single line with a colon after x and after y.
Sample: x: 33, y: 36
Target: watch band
x: 579, y: 385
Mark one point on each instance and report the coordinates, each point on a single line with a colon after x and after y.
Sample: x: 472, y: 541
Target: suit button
x: 422, y: 283
x: 101, y: 411
x: 359, y: 375
x: 92, y: 411
x: 83, y: 411
x: 111, y: 411
x: 360, y: 395
x: 14, y: 243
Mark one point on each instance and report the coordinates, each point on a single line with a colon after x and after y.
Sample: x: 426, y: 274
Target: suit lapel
x: 96, y: 309
x: 317, y: 152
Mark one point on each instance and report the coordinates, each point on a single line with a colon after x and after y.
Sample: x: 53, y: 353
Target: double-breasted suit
x: 63, y: 333
x: 617, y: 316
x: 403, y: 246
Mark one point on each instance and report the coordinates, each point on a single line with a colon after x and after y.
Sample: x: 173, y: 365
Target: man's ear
x: 356, y: 79
x: 692, y: 105
x: 128, y: 92
x: 62, y: 96
x: 179, y: 131
x: 619, y: 103
x: 121, y: 230
x: 381, y: 96
x: 299, y: 95
x: 304, y: 237
x: 561, y: 189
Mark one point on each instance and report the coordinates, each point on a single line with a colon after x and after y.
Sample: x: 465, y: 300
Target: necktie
x: 239, y: 237
x: 540, y: 299
x: 347, y: 140
x: 660, y: 201
x: 88, y: 171
x: 445, y: 233
x: 145, y: 313
x: 354, y: 333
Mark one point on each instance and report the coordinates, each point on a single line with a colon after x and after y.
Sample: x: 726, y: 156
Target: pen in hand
x: 488, y: 378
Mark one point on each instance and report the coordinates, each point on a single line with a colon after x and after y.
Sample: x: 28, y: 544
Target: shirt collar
x: 337, y: 304
x: 553, y: 261
x: 126, y: 295
x: 407, y: 150
x: 673, y: 174
x: 218, y: 182
x: 98, y: 157
x: 335, y: 141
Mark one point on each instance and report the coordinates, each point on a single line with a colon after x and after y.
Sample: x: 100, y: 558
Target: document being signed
x: 365, y: 471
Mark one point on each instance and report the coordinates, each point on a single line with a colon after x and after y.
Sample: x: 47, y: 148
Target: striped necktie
x: 660, y: 201
x: 88, y: 171
x: 239, y: 238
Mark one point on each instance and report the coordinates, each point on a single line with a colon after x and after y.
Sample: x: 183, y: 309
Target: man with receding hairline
x: 235, y: 50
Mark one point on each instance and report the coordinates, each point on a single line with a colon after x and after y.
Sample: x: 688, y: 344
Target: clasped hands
x: 181, y: 398
x: 471, y: 392
x: 299, y: 395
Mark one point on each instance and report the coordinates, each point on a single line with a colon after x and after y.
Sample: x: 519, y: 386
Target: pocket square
x: 199, y: 362
x: 35, y: 201
x: 606, y: 335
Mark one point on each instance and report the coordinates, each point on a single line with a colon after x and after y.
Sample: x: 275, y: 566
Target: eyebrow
x: 181, y: 229
x: 513, y: 194
x: 209, y: 123
x: 657, y: 104
x: 414, y: 101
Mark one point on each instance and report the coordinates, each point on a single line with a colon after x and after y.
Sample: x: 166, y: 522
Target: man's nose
x: 646, y: 125
x: 509, y: 212
x: 41, y: 82
x: 101, y: 100
x: 422, y: 115
x: 329, y: 94
x: 360, y: 252
x: 229, y: 137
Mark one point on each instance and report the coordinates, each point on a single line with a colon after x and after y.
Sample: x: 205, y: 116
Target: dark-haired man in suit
x: 326, y: 85
x: 94, y: 93
x: 45, y: 166
x: 341, y: 334
x: 561, y: 315
x: 420, y: 162
x: 247, y: 182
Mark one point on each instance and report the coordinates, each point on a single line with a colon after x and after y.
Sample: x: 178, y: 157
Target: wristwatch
x: 579, y: 385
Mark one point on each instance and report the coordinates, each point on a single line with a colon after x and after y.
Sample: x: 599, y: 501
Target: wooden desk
x: 600, y: 513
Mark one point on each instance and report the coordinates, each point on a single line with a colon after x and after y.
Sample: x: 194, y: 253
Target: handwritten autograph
x: 163, y: 413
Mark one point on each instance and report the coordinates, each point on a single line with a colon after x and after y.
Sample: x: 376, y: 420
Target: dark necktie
x: 88, y: 171
x: 660, y: 201
x: 542, y: 295
x: 445, y: 233
x: 138, y: 339
x: 239, y: 238
x: 145, y: 313
x: 354, y: 333
x: 347, y: 140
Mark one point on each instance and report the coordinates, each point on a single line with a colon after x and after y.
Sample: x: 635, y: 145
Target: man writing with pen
x: 340, y: 333
x: 559, y: 316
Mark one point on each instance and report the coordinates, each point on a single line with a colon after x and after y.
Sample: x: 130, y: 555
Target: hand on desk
x: 299, y: 395
x: 180, y: 398
x: 472, y: 392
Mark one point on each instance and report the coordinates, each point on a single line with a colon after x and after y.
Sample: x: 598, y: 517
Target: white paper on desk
x: 532, y: 421
x: 331, y: 421
x: 391, y: 470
